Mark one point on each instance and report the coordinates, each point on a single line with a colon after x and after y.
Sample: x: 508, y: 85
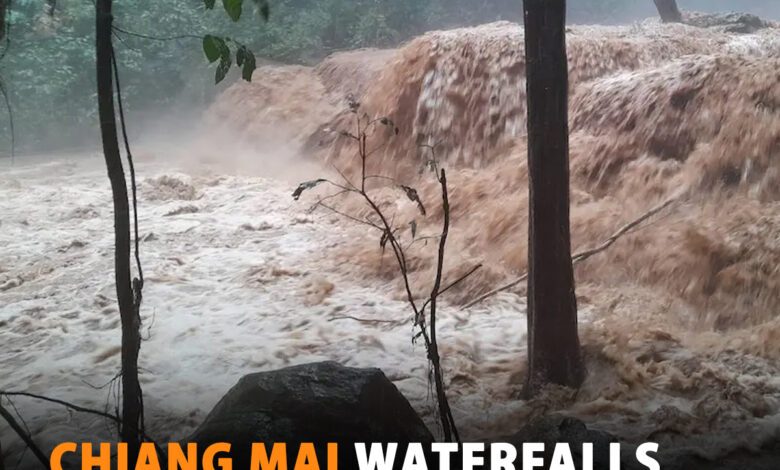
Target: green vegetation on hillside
x: 48, y: 70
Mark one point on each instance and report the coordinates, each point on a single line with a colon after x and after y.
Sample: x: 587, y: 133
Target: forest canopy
x: 49, y: 76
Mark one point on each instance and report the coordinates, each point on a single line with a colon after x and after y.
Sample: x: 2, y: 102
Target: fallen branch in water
x: 583, y: 255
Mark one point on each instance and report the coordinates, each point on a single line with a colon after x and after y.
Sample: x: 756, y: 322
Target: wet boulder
x: 319, y: 403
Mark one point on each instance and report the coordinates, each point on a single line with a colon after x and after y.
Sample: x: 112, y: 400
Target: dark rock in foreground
x: 320, y: 403
x: 327, y: 402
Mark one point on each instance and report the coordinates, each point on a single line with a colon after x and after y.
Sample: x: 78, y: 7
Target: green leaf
x: 213, y: 47
x: 249, y: 66
x: 222, y: 69
x: 240, y: 55
x: 233, y: 8
x: 264, y: 8
x: 209, y: 4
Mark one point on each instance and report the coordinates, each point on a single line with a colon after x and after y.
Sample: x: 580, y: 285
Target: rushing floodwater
x: 679, y: 320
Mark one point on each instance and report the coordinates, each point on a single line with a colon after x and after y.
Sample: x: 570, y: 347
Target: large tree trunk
x: 668, y: 11
x: 553, y: 343
x: 131, y: 338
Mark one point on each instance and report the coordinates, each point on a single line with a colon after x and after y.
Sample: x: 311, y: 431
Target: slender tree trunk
x: 131, y: 339
x: 3, y: 7
x: 668, y: 11
x: 2, y: 35
x: 553, y: 343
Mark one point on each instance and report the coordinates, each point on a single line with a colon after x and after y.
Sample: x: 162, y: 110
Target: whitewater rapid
x: 678, y: 320
x: 241, y: 278
x: 238, y: 280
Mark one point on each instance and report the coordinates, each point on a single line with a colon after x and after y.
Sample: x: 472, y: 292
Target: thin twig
x: 66, y: 404
x: 583, y: 255
x: 133, y: 184
x: 354, y: 219
x: 344, y: 177
x: 327, y: 198
x: 100, y: 387
x: 364, y: 320
x: 24, y: 436
x: 363, y: 125
x: 79, y: 409
x: 383, y: 177
x: 454, y: 283
x: 422, y: 239
x: 155, y: 38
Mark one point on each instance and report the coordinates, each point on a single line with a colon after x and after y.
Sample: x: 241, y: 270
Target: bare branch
x: 25, y: 437
x: 392, y: 180
x: 63, y: 403
x: 350, y: 217
x: 364, y: 320
x: 455, y: 283
x: 327, y: 198
x: 390, y: 237
x: 79, y: 409
x: 583, y: 255
x: 344, y: 177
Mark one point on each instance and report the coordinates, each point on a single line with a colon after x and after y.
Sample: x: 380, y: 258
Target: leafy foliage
x: 49, y: 67
x: 246, y: 60
x: 233, y: 8
x: 216, y: 48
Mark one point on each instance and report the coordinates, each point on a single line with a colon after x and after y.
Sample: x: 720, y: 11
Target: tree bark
x: 2, y: 35
x: 131, y: 339
x: 553, y: 343
x: 3, y: 7
x: 668, y: 11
